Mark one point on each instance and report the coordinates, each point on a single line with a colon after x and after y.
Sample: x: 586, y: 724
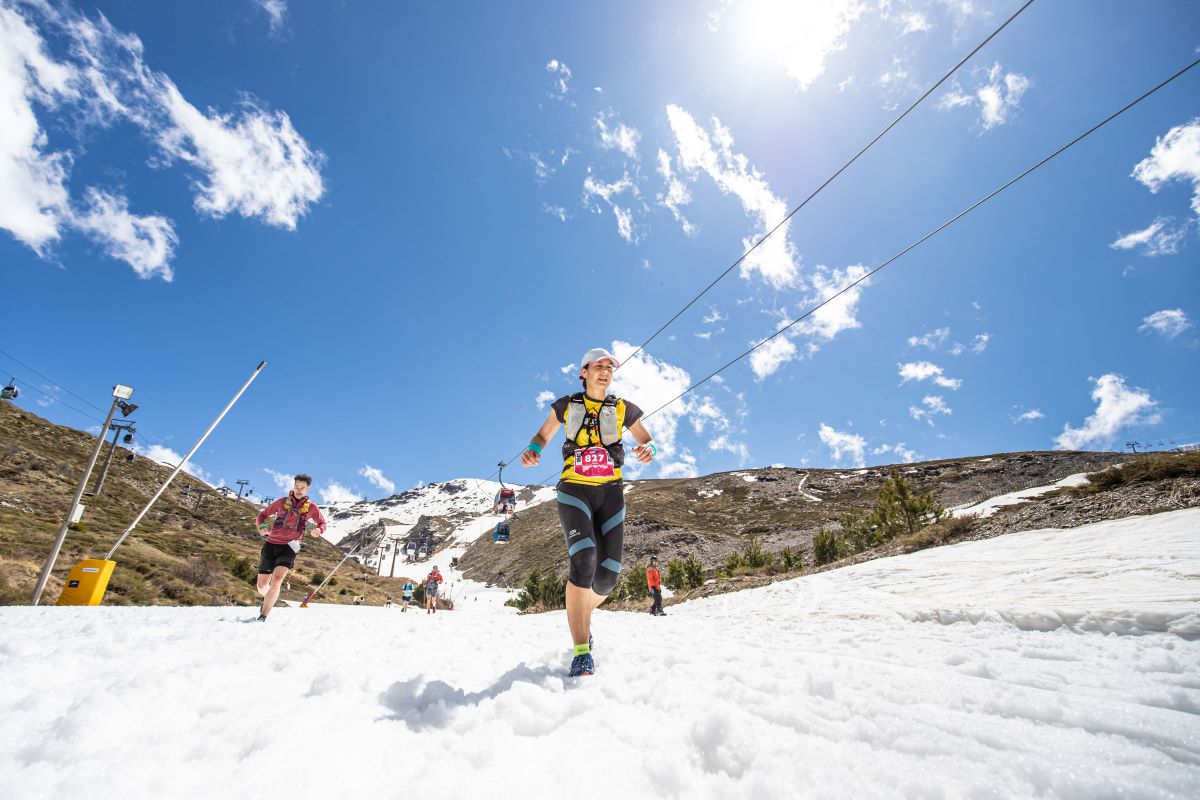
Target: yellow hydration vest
x: 611, y: 417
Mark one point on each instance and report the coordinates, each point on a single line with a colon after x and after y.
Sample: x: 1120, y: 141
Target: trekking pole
x: 185, y: 459
x: 313, y: 593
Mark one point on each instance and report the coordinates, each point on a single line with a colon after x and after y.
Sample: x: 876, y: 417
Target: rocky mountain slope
x: 179, y: 555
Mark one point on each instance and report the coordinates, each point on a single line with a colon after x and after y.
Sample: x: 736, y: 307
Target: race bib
x: 295, y: 545
x: 593, y: 462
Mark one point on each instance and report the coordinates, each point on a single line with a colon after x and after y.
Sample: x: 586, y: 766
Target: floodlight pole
x: 62, y: 530
x: 183, y: 462
x: 117, y: 427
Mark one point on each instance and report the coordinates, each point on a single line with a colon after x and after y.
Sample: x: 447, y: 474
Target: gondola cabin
x: 506, y: 502
x: 501, y: 534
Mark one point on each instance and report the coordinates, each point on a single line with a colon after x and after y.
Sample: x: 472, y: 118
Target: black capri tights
x: 593, y: 523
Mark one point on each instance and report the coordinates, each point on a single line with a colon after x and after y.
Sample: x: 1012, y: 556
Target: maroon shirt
x: 291, y: 522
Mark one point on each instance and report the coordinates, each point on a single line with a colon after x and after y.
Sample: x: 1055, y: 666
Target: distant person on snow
x: 292, y: 514
x: 591, y: 497
x: 406, y: 592
x: 432, y: 581
x: 654, y: 584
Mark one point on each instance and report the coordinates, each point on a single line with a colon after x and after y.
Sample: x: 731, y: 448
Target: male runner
x: 278, y: 556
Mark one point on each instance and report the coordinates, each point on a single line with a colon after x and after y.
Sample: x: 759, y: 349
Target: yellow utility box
x: 87, y: 583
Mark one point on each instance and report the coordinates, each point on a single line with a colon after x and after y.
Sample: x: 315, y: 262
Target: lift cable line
x: 932, y: 233
x: 818, y: 190
x: 830, y: 180
x: 53, y: 382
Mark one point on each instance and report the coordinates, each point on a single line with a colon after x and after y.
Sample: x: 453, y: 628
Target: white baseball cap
x: 599, y: 354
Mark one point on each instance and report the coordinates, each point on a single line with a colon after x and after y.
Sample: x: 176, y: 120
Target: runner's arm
x: 530, y: 458
x: 267, y: 512
x: 319, y: 518
x: 645, y: 451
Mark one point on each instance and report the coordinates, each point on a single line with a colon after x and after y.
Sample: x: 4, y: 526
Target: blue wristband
x: 653, y: 449
x: 535, y: 447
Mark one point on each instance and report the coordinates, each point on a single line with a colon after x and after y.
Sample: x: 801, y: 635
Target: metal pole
x: 183, y: 463
x: 62, y: 531
x: 395, y: 552
x: 313, y: 593
x: 107, y: 460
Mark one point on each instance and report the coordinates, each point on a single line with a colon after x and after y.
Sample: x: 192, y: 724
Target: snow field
x: 1047, y: 663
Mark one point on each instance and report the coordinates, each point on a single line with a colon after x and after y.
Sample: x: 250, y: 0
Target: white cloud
x: 714, y: 315
x: 998, y: 96
x: 980, y: 343
x: 1170, y: 322
x: 253, y: 163
x: 622, y: 137
x: 146, y: 243
x: 1175, y: 156
x: 650, y: 383
x: 924, y: 370
x: 284, y: 481
x: 556, y: 211
x: 725, y: 444
x: 676, y: 196
x: 337, y: 493
x: 562, y: 78
x: 914, y: 22
x: 276, y: 11
x: 167, y: 456
x: 930, y: 340
x: 1117, y: 407
x: 771, y: 356
x: 837, y: 315
x: 775, y: 259
x: 844, y: 445
x: 901, y: 452
x: 33, y: 193
x: 705, y: 413
x: 376, y: 478
x: 800, y: 37
x: 608, y: 192
x: 545, y: 397
x: 1029, y: 416
x: 934, y: 404
x: 1161, y: 238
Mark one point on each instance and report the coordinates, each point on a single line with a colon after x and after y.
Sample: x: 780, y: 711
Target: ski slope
x: 1046, y: 663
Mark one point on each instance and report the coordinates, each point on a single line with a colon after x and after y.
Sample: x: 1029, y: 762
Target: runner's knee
x: 606, y: 579
x: 583, y: 567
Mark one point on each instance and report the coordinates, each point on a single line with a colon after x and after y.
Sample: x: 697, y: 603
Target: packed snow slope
x: 1056, y: 663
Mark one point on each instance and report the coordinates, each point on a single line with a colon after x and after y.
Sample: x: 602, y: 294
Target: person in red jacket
x: 654, y: 583
x: 432, y: 581
x: 292, y: 514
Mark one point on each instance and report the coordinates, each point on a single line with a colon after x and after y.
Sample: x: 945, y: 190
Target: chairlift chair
x: 10, y: 392
x: 422, y: 552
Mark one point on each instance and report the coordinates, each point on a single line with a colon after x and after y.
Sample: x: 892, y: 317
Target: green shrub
x: 791, y: 559
x: 828, y: 547
x: 200, y: 570
x: 78, y: 527
x: 693, y: 571
x: 940, y: 532
x: 676, y: 574
x: 1155, y: 467
x: 734, y: 562
x: 541, y: 593
x: 631, y: 587
x: 754, y: 557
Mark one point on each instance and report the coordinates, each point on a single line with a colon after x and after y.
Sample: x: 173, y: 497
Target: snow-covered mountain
x: 461, y: 509
x: 1050, y: 663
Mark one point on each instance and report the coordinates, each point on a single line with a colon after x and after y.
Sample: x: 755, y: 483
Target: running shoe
x: 582, y: 665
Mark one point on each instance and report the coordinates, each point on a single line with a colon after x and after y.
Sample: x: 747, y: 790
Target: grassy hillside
x: 178, y: 555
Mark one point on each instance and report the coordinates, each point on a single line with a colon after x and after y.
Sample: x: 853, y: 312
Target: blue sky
x: 422, y: 215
